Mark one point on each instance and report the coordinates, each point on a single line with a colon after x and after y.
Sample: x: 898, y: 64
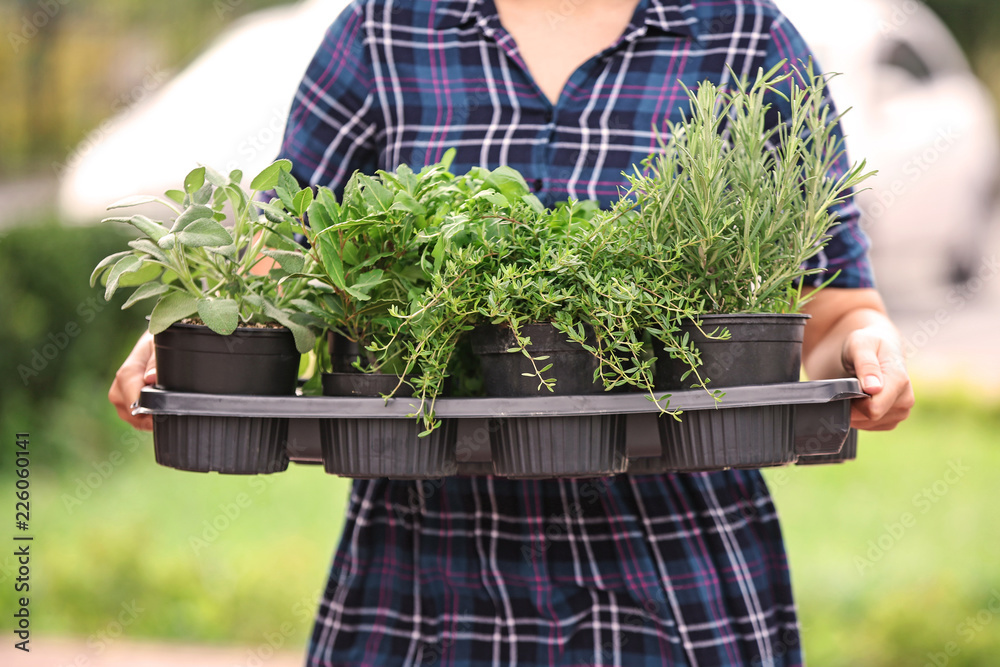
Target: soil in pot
x: 533, y: 447
x: 761, y: 349
x: 366, y: 448
x: 250, y: 361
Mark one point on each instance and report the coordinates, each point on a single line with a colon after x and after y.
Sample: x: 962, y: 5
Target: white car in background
x: 919, y: 116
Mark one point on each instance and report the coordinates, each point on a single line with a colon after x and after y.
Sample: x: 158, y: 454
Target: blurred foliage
x: 61, y: 341
x: 874, y: 593
x: 974, y: 23
x: 67, y: 66
x: 198, y: 557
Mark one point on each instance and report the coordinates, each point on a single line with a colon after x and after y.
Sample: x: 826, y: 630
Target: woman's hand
x: 138, y: 370
x: 873, y: 355
x: 850, y: 334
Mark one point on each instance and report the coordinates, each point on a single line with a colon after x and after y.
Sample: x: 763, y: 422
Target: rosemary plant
x: 745, y: 204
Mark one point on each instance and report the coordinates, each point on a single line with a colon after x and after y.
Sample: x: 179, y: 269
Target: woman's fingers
x: 137, y: 371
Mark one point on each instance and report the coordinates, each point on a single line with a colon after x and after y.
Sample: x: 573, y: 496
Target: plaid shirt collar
x: 668, y: 17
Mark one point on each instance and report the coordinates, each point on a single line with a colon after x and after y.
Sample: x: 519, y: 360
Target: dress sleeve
x: 333, y: 123
x: 847, y: 250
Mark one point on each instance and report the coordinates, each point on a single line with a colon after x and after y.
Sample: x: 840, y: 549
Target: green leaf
x: 194, y: 180
x: 204, y: 233
x: 268, y: 178
x: 331, y: 261
x: 136, y: 200
x: 149, y: 248
x: 167, y: 242
x: 172, y: 308
x: 319, y: 218
x: 404, y: 201
x: 365, y: 283
x: 216, y: 178
x: 220, y: 315
x: 305, y: 338
x: 105, y: 263
x: 534, y: 203
x: 203, y: 195
x: 227, y: 251
x: 285, y: 196
x: 145, y: 292
x: 302, y: 200
x: 125, y: 264
x: 291, y: 262
x: 438, y: 253
x: 192, y: 214
x: 149, y: 271
x: 377, y: 197
x: 508, y: 182
x: 493, y: 197
x: 275, y: 214
x: 308, y: 306
x: 176, y: 195
x: 150, y: 228
x: 350, y: 253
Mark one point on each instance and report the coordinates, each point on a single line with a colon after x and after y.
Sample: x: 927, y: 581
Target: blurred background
x: 140, y: 565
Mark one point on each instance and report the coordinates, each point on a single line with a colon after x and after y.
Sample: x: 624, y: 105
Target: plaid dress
x: 489, y: 572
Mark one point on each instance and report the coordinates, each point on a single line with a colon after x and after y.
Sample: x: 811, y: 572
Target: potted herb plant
x: 219, y: 325
x: 370, y: 261
x: 553, y: 302
x: 741, y: 206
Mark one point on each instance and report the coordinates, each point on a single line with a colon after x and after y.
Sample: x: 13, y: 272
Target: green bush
x: 61, y: 342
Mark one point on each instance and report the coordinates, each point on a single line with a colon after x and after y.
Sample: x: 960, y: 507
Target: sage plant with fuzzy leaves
x: 196, y: 265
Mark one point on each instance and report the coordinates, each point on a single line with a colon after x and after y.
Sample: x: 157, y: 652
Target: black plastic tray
x: 752, y: 426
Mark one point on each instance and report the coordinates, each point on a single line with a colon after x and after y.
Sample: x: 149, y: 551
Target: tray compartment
x: 707, y: 440
x: 228, y: 445
x: 369, y: 448
x: 848, y: 452
x: 540, y: 447
x: 821, y: 428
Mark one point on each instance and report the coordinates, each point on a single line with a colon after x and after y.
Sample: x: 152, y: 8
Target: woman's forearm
x: 850, y: 334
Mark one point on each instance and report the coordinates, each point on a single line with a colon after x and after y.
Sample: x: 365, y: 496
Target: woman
x: 632, y: 570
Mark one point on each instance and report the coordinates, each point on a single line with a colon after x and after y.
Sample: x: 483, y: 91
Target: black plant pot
x: 761, y: 349
x: 503, y: 371
x: 533, y: 447
x: 256, y: 362
x: 366, y: 448
x: 343, y: 353
x: 364, y: 384
x: 195, y: 359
